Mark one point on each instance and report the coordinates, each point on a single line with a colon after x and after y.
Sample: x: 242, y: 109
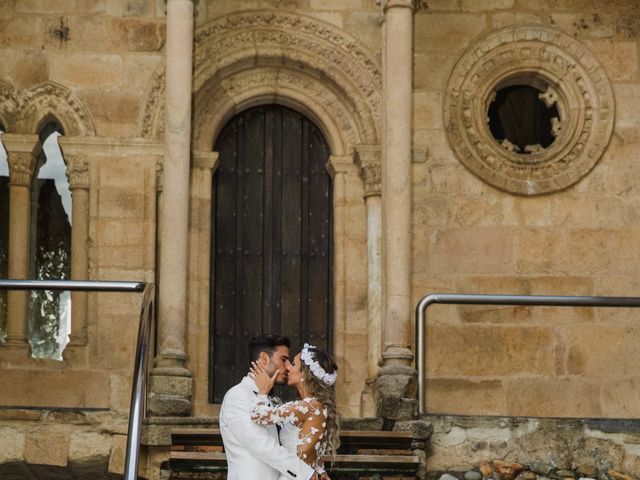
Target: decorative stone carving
x: 298, y: 53
x: 77, y: 171
x: 8, y: 106
x: 21, y: 168
x: 52, y: 99
x: 25, y: 111
x: 368, y: 159
x: 567, y: 74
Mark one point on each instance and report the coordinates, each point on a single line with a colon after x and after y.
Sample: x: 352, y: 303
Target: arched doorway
x: 271, y: 238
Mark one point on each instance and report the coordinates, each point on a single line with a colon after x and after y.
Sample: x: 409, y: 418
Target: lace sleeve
x: 290, y: 412
x: 312, y: 434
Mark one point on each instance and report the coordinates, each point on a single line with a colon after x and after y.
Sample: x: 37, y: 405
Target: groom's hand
x: 324, y: 476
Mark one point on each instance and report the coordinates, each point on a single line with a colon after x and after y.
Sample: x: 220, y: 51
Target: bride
x: 309, y: 425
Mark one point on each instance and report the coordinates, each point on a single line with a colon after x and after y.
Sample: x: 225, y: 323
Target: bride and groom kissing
x: 265, y: 440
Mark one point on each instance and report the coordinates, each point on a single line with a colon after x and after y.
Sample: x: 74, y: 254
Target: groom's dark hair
x: 266, y: 343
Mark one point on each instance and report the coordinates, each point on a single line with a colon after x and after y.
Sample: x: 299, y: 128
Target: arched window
x: 50, y: 312
x: 4, y: 234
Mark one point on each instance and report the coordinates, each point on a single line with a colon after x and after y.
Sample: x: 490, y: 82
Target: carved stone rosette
x: 567, y: 75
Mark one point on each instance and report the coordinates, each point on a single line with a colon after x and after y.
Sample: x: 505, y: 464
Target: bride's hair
x: 325, y: 394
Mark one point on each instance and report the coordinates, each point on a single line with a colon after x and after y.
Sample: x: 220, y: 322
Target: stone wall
x: 470, y: 237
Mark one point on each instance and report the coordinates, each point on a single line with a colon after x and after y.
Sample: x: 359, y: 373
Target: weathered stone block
x: 619, y: 59
x: 66, y: 388
x: 12, y: 442
x: 541, y: 250
x: 549, y: 397
x: 102, y: 71
x: 166, y: 385
x: 480, y: 351
x: 446, y: 32
x: 396, y: 408
x: 137, y: 34
x: 168, y: 405
x: 118, y: 454
x: 89, y: 448
x: 486, y: 5
x: 47, y: 448
x: 451, y: 396
x: 473, y: 250
x: 421, y: 429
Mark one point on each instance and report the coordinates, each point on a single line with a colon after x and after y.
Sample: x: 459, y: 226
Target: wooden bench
x: 199, y: 453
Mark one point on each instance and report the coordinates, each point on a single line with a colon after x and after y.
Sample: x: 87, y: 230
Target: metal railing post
x: 138, y: 393
x: 492, y: 299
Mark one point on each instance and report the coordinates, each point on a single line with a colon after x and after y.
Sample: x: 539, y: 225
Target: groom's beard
x: 279, y: 381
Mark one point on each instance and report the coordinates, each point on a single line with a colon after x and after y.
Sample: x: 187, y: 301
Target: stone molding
x: 387, y: 4
x: 368, y: 159
x: 326, y: 66
x: 567, y: 73
x: 27, y: 111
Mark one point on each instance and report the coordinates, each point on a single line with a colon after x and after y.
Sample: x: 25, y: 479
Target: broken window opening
x: 524, y: 119
x: 50, y: 312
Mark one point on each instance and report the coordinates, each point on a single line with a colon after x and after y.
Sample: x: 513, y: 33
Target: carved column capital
x: 77, y: 171
x: 368, y: 159
x: 21, y: 168
x: 340, y: 164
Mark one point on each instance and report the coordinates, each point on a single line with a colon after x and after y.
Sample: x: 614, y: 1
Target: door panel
x: 271, y: 239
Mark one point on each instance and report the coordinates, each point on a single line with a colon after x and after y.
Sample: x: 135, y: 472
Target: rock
x: 528, y: 475
x: 564, y: 474
x: 619, y: 476
x: 541, y: 468
x: 447, y: 476
x: 485, y: 469
x: 473, y: 475
x: 507, y: 471
x: 587, y: 470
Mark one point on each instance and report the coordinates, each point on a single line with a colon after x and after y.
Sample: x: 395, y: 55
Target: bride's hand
x: 264, y: 382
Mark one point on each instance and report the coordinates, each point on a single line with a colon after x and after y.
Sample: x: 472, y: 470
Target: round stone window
x: 529, y: 110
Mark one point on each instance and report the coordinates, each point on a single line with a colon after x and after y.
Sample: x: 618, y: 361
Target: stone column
x: 22, y: 152
x: 397, y: 379
x: 170, y: 382
x: 78, y: 176
x: 368, y: 159
x: 340, y: 167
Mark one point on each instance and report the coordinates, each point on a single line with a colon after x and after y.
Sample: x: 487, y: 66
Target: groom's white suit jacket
x: 254, y: 451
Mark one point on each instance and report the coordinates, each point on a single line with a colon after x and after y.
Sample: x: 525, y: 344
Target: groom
x: 254, y: 451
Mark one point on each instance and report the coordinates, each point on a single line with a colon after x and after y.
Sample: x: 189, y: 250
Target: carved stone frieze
x: 77, y: 171
x: 21, y: 168
x: 565, y: 73
x: 304, y: 52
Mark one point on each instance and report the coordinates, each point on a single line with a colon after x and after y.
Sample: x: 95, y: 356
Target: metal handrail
x: 138, y: 392
x: 492, y: 299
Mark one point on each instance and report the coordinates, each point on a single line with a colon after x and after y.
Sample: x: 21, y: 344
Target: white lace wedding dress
x: 302, y: 426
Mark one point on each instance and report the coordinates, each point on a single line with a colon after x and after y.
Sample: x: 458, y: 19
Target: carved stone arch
x: 218, y: 102
x: 50, y: 100
x: 8, y: 106
x: 248, y: 58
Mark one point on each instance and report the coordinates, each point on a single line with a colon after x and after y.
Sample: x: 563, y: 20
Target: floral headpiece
x: 314, y: 366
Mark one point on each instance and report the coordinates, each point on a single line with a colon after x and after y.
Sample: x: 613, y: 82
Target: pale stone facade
x: 424, y: 200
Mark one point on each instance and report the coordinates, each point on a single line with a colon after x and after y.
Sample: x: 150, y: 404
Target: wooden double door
x: 271, y: 239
